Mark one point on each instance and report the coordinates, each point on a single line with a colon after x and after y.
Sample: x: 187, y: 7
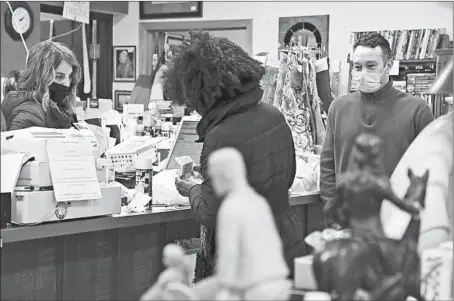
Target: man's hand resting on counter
x: 183, y: 186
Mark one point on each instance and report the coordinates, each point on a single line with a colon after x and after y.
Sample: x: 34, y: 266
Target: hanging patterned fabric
x: 280, y: 82
x: 334, y: 69
x: 294, y: 105
x: 315, y: 102
x: 269, y: 82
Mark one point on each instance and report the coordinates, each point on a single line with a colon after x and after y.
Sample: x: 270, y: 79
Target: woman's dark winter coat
x: 260, y: 132
x: 22, y: 112
x: 3, y: 126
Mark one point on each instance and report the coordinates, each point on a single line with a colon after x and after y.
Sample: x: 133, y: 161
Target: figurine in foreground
x: 368, y: 265
x: 250, y: 263
x: 173, y: 283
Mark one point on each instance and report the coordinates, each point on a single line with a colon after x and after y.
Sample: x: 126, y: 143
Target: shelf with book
x: 414, y: 44
x: 415, y: 52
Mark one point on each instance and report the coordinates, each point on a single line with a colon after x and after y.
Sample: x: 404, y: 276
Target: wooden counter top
x: 153, y: 216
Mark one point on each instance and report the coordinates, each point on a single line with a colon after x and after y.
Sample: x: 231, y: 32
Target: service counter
x: 105, y: 258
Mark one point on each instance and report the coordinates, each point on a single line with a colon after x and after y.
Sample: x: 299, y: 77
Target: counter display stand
x: 106, y: 258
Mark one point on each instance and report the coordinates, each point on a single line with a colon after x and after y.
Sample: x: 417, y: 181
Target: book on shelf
x: 419, y: 82
x: 414, y: 44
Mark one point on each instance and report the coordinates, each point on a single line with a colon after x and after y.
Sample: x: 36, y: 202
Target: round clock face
x: 22, y: 22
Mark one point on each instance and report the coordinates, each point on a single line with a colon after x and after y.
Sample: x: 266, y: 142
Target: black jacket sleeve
x: 3, y: 126
x: 25, y: 119
x: 292, y: 173
x: 24, y: 116
x: 203, y: 200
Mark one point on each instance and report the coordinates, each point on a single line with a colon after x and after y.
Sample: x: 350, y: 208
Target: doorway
x: 152, y: 36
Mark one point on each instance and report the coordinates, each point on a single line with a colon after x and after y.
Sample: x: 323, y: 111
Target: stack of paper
x: 11, y: 165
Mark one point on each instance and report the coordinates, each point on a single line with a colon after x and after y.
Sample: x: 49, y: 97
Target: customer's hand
x: 183, y: 186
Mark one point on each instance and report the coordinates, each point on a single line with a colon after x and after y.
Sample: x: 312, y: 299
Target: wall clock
x: 24, y: 18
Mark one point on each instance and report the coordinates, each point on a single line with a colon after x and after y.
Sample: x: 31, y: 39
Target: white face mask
x: 368, y: 82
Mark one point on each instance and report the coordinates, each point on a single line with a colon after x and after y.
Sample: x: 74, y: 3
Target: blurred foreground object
x: 367, y: 264
x: 250, y: 263
x: 444, y: 82
x: 173, y: 283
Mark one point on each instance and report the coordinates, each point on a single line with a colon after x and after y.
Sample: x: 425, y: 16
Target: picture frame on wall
x: 124, y: 63
x: 167, y: 10
x: 121, y: 97
x: 171, y: 43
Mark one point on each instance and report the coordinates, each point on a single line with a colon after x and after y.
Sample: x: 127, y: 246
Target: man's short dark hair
x: 373, y: 40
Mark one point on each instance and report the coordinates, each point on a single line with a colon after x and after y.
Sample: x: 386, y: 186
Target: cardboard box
x: 304, y: 276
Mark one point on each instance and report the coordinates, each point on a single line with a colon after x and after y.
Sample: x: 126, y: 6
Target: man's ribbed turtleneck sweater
x: 394, y: 116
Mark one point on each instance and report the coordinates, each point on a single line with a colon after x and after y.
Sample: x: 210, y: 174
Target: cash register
x: 33, y: 200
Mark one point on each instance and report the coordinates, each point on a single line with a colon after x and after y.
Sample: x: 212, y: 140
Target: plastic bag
x: 164, y: 190
x: 317, y: 239
x: 306, y: 177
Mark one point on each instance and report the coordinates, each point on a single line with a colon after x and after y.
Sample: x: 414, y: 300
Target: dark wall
x: 74, y: 42
x: 13, y: 52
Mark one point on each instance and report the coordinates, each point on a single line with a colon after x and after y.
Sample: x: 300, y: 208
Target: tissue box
x: 304, y: 276
x: 437, y: 273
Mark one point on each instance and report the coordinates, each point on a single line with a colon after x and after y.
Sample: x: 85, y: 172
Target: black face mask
x: 58, y: 92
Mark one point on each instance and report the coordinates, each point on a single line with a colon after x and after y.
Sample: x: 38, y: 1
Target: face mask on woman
x: 369, y: 81
x: 58, y: 92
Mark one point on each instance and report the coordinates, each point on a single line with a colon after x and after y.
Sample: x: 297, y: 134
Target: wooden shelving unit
x: 442, y: 106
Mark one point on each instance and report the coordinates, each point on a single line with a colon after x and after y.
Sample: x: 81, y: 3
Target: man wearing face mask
x: 377, y: 108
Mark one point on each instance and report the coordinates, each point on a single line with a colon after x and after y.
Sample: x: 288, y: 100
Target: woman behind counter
x: 46, y: 89
x: 221, y: 82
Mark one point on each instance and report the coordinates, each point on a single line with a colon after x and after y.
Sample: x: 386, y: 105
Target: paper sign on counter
x: 73, y: 170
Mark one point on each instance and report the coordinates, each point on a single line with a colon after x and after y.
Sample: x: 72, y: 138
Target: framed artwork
x: 121, y: 98
x: 310, y: 31
x: 124, y: 63
x: 172, y: 42
x: 170, y: 9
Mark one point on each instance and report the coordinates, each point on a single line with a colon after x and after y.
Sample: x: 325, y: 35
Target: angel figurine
x: 250, y: 263
x: 174, y: 278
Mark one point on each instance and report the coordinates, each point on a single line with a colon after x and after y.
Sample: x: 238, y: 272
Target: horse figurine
x: 406, y: 250
x: 368, y: 262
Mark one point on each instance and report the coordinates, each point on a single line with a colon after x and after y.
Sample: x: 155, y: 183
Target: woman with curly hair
x: 46, y: 89
x: 222, y: 83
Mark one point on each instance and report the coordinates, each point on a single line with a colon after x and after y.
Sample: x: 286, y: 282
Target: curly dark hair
x: 210, y: 69
x: 373, y: 40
